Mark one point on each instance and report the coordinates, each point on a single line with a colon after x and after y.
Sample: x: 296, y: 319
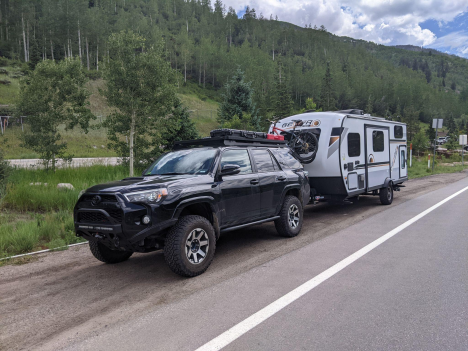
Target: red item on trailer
x: 275, y: 137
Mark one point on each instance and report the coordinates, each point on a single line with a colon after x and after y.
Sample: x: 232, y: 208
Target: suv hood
x: 134, y: 184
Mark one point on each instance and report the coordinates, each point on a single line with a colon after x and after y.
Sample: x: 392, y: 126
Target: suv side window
x: 237, y: 157
x: 286, y: 159
x: 263, y: 160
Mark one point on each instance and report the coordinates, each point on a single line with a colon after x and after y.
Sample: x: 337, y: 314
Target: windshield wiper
x: 174, y: 173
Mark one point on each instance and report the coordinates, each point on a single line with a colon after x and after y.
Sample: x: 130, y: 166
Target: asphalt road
x: 408, y: 293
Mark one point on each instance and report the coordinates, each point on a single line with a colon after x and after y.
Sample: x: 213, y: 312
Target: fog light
x: 146, y: 219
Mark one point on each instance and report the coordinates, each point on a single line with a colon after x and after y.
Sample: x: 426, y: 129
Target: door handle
x: 281, y: 178
x: 254, y: 181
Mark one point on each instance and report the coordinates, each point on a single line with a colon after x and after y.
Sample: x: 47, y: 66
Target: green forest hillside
x: 206, y: 42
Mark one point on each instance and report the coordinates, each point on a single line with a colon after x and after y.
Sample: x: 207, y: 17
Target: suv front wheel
x: 190, y: 246
x: 106, y: 255
x: 290, y: 222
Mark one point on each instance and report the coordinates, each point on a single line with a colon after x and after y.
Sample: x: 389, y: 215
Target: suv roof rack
x: 229, y: 140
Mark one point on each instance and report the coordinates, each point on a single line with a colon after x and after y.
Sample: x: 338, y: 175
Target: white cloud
x: 455, y: 41
x: 383, y: 21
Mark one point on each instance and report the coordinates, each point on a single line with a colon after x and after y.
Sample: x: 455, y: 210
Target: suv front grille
x: 104, y: 198
x: 116, y: 214
x: 92, y: 217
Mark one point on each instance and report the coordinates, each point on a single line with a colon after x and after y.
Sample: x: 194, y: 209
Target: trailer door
x: 377, y: 156
x: 403, y: 162
x: 353, y: 159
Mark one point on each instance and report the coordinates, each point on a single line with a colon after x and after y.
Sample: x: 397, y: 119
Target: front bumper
x: 117, y: 225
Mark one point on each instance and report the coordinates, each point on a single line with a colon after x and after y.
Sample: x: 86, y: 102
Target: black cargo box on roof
x: 230, y: 137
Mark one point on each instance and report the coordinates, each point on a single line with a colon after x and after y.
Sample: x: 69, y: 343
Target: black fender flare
x: 200, y: 200
x: 285, y: 190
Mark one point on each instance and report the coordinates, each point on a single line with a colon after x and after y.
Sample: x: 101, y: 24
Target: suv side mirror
x: 230, y: 170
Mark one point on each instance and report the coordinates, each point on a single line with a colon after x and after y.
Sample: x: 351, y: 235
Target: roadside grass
x: 23, y: 197
x: 419, y: 167
x: 38, y: 232
x: 37, y: 217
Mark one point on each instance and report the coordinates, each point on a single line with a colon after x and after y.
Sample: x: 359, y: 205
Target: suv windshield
x: 193, y: 161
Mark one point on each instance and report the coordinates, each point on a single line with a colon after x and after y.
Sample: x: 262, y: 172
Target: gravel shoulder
x: 66, y: 296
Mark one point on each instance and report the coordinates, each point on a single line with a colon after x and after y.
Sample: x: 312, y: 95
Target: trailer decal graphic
x: 307, y: 123
x: 334, y: 142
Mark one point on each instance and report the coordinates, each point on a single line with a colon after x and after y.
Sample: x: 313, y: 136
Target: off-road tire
x: 386, y: 194
x: 106, y: 255
x: 174, y: 249
x: 282, y: 224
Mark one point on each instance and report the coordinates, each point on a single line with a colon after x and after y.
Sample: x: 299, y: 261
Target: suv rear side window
x: 237, y: 157
x: 263, y: 160
x: 286, y: 159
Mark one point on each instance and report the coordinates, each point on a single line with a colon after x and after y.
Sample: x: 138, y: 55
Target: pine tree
x: 369, y: 106
x: 238, y: 101
x: 411, y: 118
x: 282, y: 103
x: 327, y: 95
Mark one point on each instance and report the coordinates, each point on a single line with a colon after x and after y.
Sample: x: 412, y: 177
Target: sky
x: 438, y: 24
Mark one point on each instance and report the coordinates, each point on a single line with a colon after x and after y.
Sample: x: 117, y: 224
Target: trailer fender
x: 387, y: 181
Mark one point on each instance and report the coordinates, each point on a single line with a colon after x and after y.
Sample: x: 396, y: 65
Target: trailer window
x: 398, y: 132
x: 378, y: 142
x: 354, y: 144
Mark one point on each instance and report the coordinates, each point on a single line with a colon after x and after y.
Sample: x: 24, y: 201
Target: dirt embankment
x: 65, y: 296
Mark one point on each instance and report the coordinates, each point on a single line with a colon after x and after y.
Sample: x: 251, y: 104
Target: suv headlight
x: 149, y: 196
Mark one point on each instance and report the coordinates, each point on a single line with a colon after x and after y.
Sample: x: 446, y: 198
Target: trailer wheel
x: 386, y: 194
x: 290, y: 222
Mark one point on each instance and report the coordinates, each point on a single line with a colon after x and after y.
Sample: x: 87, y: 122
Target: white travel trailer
x: 357, y: 154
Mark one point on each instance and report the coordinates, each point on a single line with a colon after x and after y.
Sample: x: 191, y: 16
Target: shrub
x: 4, y: 173
x: 93, y: 75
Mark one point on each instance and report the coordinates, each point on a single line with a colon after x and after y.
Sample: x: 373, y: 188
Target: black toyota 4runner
x: 188, y: 197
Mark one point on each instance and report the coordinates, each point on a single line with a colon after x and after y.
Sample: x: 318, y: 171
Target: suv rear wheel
x: 290, y: 222
x: 106, y: 255
x: 190, y: 246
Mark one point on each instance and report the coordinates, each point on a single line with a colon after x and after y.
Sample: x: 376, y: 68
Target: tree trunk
x: 52, y: 50
x: 24, y: 41
x: 87, y: 53
x: 199, y: 76
x: 79, y: 43
x: 204, y: 74
x: 185, y: 69
x: 132, y: 132
x: 27, y: 38
x: 97, y: 56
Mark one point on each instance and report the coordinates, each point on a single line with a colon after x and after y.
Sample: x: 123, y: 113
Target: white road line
x: 251, y: 322
x: 42, y: 251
